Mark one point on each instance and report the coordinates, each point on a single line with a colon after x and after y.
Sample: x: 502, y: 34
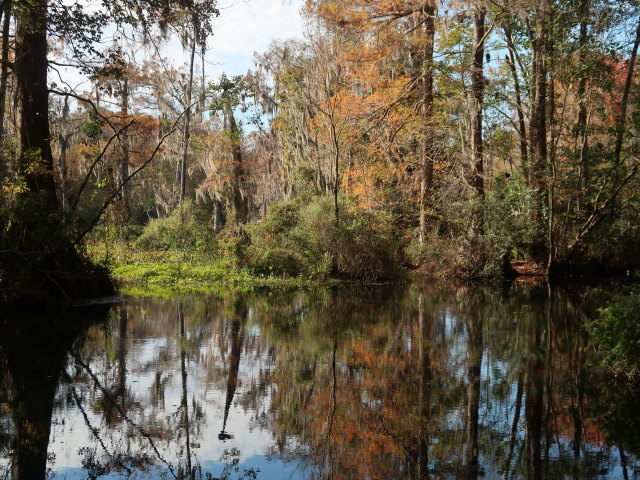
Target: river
x: 416, y: 382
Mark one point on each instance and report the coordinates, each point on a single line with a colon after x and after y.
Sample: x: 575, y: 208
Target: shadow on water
x: 33, y: 354
x: 416, y: 382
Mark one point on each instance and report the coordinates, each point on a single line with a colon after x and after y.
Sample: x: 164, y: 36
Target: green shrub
x: 507, y: 210
x: 306, y: 239
x: 617, y: 332
x: 455, y: 246
x: 272, y: 248
x: 184, y: 229
x: 278, y: 261
x: 363, y: 245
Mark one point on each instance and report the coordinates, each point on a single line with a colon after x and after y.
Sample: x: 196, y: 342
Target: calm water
x: 411, y: 382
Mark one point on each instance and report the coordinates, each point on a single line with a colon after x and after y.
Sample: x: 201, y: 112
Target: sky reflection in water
x: 412, y: 382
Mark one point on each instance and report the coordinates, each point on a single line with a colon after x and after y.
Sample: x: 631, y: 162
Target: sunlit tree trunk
x: 477, y: 89
x: 240, y: 203
x: 428, y: 151
x: 477, y: 94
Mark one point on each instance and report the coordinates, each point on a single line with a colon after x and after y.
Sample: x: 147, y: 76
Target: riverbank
x: 177, y: 270
x: 133, y: 269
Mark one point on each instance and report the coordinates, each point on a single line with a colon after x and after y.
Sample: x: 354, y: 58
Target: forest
x: 398, y: 137
x: 342, y: 263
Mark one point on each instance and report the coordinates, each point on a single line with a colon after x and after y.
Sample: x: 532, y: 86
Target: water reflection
x: 416, y: 382
x: 33, y: 355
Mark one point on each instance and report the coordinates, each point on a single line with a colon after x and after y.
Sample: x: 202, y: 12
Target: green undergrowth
x: 172, y: 271
x: 299, y: 243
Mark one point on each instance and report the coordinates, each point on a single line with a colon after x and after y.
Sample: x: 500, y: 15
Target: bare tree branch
x: 95, y: 162
x: 126, y: 180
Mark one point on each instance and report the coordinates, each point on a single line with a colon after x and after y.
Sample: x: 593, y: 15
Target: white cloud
x: 243, y: 27
x: 248, y: 26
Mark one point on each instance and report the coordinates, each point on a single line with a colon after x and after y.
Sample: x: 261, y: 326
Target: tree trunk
x: 186, y: 132
x: 551, y: 238
x: 30, y: 71
x: 63, y: 141
x: 522, y: 129
x: 426, y: 181
x: 477, y: 89
x: 240, y: 204
x: 218, y: 217
x: 538, y: 129
x: 477, y: 98
x: 336, y: 168
x: 622, y: 116
x: 124, y: 148
x: 38, y: 263
x: 4, y: 69
x: 580, y: 134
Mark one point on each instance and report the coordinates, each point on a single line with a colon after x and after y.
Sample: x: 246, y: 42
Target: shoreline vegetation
x: 615, y: 331
x: 299, y: 244
x: 129, y: 268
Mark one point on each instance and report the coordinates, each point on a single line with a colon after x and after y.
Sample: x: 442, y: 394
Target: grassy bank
x: 298, y: 244
x: 133, y: 269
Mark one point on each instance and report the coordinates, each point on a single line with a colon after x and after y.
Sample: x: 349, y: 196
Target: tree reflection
x: 237, y: 338
x: 415, y: 382
x: 184, y: 404
x: 33, y: 353
x: 115, y: 399
x: 409, y: 397
x: 474, y: 364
